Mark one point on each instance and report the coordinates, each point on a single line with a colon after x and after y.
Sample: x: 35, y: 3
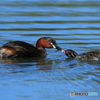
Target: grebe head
x: 70, y: 53
x: 47, y: 42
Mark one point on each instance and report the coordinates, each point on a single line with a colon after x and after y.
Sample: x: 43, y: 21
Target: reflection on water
x: 75, y: 24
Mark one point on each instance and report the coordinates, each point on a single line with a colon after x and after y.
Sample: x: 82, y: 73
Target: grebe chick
x: 92, y: 55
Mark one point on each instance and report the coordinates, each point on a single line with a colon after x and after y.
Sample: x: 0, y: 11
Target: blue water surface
x: 74, y: 24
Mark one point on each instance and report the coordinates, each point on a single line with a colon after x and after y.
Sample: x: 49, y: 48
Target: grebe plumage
x: 92, y: 55
x: 22, y: 49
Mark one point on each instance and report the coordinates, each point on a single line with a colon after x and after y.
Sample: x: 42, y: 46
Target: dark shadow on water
x: 91, y: 62
x: 21, y: 60
x: 21, y: 65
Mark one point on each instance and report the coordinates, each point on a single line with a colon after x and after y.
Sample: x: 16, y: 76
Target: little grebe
x: 22, y: 49
x: 92, y: 55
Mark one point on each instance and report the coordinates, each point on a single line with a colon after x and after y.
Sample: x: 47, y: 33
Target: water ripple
x: 74, y: 24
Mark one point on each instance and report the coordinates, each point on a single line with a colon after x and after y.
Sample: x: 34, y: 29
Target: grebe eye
x: 53, y: 45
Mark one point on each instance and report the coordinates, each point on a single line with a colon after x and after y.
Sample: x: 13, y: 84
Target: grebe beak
x: 57, y: 47
x: 53, y: 45
x: 63, y: 51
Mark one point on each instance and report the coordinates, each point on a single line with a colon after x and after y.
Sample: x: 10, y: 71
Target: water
x: 73, y: 24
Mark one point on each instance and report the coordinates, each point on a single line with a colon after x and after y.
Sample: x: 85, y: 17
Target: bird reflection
x: 39, y: 63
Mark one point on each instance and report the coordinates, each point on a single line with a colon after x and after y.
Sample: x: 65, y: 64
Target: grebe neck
x: 42, y: 51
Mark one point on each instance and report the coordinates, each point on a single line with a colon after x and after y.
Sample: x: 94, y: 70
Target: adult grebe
x: 22, y: 49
